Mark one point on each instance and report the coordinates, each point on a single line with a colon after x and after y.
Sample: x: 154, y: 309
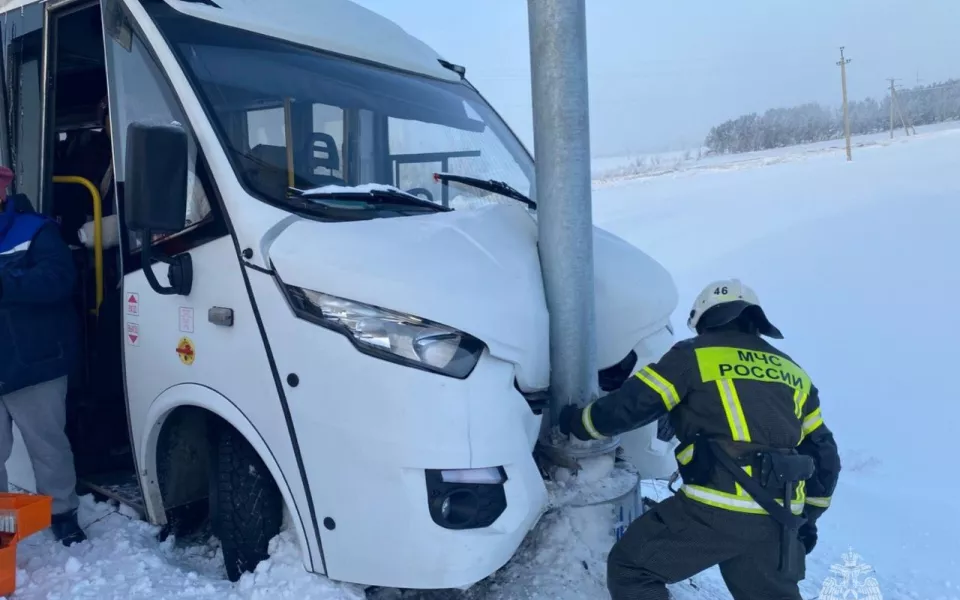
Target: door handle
x: 221, y: 316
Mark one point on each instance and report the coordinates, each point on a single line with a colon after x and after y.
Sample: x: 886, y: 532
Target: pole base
x: 613, y: 487
x: 554, y: 450
x: 555, y: 444
x: 584, y: 473
x: 615, y: 491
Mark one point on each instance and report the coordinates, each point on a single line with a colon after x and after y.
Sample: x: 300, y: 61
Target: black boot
x: 66, y: 528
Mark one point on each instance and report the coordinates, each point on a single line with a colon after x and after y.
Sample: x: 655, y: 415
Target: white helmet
x: 729, y: 298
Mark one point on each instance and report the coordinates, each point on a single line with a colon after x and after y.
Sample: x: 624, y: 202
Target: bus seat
x: 266, y: 167
x: 273, y: 156
x: 324, y: 143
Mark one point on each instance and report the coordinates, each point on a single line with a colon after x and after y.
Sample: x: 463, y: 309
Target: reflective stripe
x: 587, y: 419
x: 732, y: 502
x: 812, y: 421
x: 821, y: 502
x: 799, y: 400
x: 660, y: 385
x: 686, y: 455
x: 740, y: 490
x: 731, y: 406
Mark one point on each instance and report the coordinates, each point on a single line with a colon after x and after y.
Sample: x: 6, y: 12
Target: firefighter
x: 751, y: 432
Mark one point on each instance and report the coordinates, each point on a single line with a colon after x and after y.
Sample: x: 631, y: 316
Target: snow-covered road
x: 855, y: 262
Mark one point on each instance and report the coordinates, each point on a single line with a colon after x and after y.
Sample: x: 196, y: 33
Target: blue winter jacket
x: 39, y: 326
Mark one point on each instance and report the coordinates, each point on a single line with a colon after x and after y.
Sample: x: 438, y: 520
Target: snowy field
x: 625, y: 168
x: 855, y: 262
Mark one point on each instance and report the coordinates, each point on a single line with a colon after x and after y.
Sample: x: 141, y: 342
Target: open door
x: 167, y: 338
x: 21, y: 37
x: 77, y: 192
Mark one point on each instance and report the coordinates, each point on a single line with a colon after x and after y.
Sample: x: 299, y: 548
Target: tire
x: 246, y: 507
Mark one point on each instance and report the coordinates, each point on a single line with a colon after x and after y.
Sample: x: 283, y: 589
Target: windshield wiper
x: 490, y: 185
x: 380, y: 196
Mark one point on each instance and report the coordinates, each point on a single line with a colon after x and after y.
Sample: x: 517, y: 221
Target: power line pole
x: 846, y: 114
x: 895, y: 104
x: 893, y: 94
x: 905, y: 117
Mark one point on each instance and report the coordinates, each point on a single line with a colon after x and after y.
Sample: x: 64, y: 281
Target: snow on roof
x: 338, y: 26
x: 6, y: 5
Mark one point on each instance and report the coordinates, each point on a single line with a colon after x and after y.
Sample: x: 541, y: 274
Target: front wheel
x: 246, y: 507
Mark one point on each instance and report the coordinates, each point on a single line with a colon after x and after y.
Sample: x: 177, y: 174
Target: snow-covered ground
x: 855, y: 262
x: 631, y: 167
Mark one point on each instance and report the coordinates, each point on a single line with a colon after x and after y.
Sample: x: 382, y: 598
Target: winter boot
x: 66, y: 528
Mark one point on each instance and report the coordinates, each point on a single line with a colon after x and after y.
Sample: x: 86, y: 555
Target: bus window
x: 142, y: 94
x: 22, y: 49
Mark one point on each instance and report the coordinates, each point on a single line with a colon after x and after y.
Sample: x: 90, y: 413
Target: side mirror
x: 155, y: 188
x: 155, y: 197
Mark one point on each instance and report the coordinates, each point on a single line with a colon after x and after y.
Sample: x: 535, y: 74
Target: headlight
x: 390, y: 335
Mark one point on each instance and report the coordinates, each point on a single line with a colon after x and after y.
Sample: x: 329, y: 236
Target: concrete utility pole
x: 895, y: 105
x: 892, y: 96
x: 561, y: 133
x: 846, y: 115
x: 905, y: 118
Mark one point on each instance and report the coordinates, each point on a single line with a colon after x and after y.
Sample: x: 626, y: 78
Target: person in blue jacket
x: 39, y: 339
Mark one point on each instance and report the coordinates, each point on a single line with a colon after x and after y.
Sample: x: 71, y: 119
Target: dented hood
x: 475, y: 270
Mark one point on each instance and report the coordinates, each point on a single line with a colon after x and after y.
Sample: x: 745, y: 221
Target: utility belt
x: 773, y: 473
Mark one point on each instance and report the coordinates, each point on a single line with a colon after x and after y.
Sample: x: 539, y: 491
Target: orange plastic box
x: 8, y: 565
x: 31, y: 513
x: 21, y: 515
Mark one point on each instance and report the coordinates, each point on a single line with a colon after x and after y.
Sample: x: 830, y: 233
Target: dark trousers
x: 679, y: 538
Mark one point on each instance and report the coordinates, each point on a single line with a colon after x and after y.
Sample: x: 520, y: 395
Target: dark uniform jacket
x: 39, y: 327
x: 735, y: 388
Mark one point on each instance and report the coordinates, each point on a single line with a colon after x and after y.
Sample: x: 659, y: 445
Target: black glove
x: 665, y: 429
x: 808, y: 536
x: 571, y: 421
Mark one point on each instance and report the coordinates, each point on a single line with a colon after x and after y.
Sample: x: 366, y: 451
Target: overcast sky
x: 663, y: 73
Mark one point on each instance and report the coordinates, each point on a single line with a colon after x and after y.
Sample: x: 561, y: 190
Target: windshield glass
x: 291, y: 116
